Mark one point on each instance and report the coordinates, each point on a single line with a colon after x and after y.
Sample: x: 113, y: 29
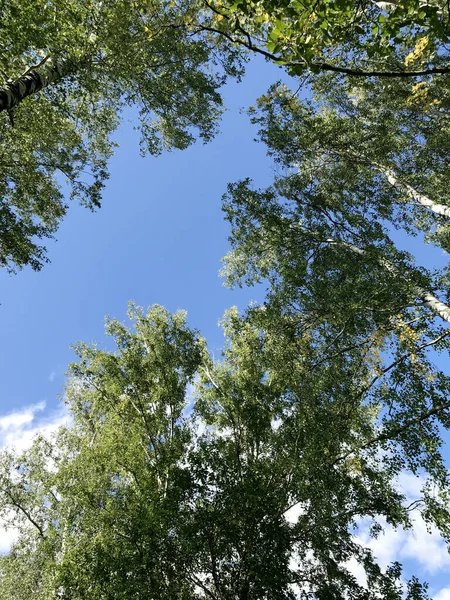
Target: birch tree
x: 358, y: 39
x: 67, y: 72
x: 156, y: 493
x: 68, y: 69
x: 323, y: 237
x: 354, y: 167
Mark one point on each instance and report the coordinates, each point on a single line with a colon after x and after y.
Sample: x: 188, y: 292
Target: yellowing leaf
x: 418, y: 51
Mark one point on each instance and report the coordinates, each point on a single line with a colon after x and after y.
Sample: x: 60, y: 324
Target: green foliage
x: 339, y: 35
x: 113, y: 55
x: 354, y: 163
x: 322, y: 237
x: 155, y: 493
x: 179, y: 474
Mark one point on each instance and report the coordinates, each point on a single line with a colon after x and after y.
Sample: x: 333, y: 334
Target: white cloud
x: 292, y: 514
x: 425, y: 554
x: 422, y: 548
x: 410, y: 485
x: 8, y: 536
x: 386, y: 547
x: 52, y: 376
x: 426, y: 548
x: 357, y: 570
x: 443, y: 594
x: 18, y: 429
x: 19, y: 419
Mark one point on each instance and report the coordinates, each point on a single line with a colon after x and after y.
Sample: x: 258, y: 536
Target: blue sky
x: 158, y: 238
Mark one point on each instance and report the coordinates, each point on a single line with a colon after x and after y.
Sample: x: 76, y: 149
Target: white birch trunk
x: 14, y: 91
x: 412, y: 194
x: 434, y: 304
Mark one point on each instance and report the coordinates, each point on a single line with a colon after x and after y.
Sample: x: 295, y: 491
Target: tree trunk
x: 434, y: 304
x: 438, y: 307
x: 411, y: 193
x: 34, y: 80
x: 439, y: 209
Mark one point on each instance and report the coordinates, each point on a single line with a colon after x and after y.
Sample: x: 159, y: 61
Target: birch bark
x: 439, y: 308
x: 439, y: 209
x: 13, y: 92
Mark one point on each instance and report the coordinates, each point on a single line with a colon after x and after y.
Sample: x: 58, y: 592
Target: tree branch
x: 439, y: 209
x: 14, y: 91
x: 396, y: 431
x: 434, y: 304
x: 321, y: 66
x: 23, y: 510
x: 198, y: 582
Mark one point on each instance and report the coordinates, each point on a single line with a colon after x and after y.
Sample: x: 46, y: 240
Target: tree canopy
x: 158, y: 492
x: 243, y: 478
x: 69, y: 70
x: 365, y: 38
x: 323, y: 235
